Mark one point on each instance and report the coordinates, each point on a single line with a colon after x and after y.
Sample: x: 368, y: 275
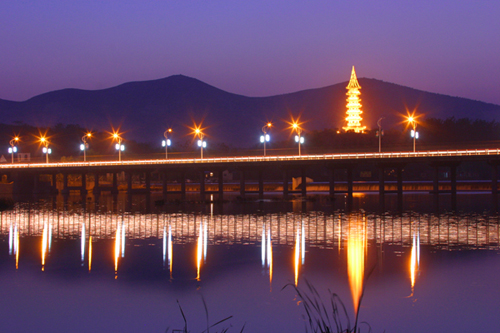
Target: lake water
x: 65, y: 268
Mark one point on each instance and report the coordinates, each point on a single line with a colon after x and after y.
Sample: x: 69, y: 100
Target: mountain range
x: 143, y: 110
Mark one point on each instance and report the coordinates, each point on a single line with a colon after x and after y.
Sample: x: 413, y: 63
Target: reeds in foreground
x: 207, y: 330
x: 329, y: 318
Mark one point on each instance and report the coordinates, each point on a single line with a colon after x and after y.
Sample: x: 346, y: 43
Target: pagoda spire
x: 353, y: 112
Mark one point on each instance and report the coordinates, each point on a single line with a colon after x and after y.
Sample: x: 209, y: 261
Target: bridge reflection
x: 314, y: 229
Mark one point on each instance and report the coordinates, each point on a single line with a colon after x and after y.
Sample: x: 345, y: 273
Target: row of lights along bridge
x: 202, y: 143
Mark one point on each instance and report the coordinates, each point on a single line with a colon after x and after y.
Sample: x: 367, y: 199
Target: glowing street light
x: 201, y: 143
x: 13, y: 147
x: 298, y: 138
x: 265, y: 138
x: 380, y: 133
x: 166, y: 143
x: 46, y: 150
x: 119, y: 145
x: 414, y: 134
x: 84, y: 146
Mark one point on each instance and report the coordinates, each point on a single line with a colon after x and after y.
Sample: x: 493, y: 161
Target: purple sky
x: 254, y: 48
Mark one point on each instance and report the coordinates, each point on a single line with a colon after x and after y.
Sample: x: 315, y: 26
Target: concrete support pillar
x: 221, y: 185
x: 148, y: 182
x: 36, y: 184
x: 349, y: 188
x: 83, y: 189
x: 53, y: 189
x: 183, y: 186
x: 453, y: 178
x: 381, y: 188
x: 399, y: 172
x: 435, y: 188
x: 165, y: 185
x: 332, y: 183
x: 285, y: 184
x: 261, y: 184
x: 304, y: 182
x: 129, y: 182
x: 65, y: 189
x: 97, y: 189
x: 202, y: 185
x: 494, y: 187
x: 242, y: 184
x: 114, y: 189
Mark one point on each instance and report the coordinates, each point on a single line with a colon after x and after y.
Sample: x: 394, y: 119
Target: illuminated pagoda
x: 353, y: 106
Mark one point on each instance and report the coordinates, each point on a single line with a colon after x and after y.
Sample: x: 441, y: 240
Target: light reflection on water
x: 285, y: 242
x: 315, y: 229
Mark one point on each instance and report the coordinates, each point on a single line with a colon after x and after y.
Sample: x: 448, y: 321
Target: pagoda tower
x: 353, y: 112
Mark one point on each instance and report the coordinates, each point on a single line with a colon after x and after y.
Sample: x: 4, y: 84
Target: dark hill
x: 144, y: 109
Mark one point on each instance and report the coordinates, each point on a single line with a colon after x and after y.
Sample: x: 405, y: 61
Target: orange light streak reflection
x: 356, y: 260
x: 90, y: 253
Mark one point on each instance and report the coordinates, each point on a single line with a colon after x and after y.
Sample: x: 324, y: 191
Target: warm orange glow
x: 169, y: 130
x: 17, y: 249
x: 43, y: 139
x: 297, y: 257
x: 269, y: 125
x: 89, y: 135
x: 117, y: 248
x: 353, y: 112
x: 90, y: 253
x: 414, y: 262
x: 16, y: 138
x: 199, y: 252
x: 44, y: 245
x: 356, y: 260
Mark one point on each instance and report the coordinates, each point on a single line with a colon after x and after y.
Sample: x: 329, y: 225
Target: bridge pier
x: 114, y: 188
x: 381, y: 189
x: 242, y: 184
x: 202, y: 185
x: 285, y: 184
x: 183, y: 186
x: 494, y: 186
x: 97, y: 189
x: 453, y: 178
x: 349, y: 188
x: 221, y: 185
x: 331, y: 189
x: 399, y: 172
x: 261, y: 184
x: 304, y: 182
x: 53, y: 188
x: 435, y: 188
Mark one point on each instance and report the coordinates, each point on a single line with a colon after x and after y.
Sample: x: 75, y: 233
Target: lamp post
x: 413, y: 133
x: 84, y: 146
x: 166, y: 143
x: 119, y: 145
x: 265, y: 138
x: 13, y: 147
x: 298, y: 138
x: 46, y: 150
x: 380, y: 133
x: 201, y: 143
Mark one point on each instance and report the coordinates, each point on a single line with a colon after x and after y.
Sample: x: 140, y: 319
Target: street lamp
x: 13, y: 147
x: 84, y: 146
x: 298, y: 138
x: 119, y: 145
x: 166, y: 143
x: 46, y: 150
x: 265, y: 138
x: 413, y: 133
x: 201, y: 143
x: 380, y: 133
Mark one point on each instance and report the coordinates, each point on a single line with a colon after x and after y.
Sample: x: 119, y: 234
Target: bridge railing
x: 241, y: 159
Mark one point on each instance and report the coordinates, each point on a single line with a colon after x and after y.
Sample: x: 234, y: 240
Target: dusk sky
x: 254, y: 48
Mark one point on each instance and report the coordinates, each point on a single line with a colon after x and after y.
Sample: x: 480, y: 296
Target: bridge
x: 26, y: 176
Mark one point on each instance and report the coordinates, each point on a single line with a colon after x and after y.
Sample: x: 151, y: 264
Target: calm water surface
x: 65, y: 268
